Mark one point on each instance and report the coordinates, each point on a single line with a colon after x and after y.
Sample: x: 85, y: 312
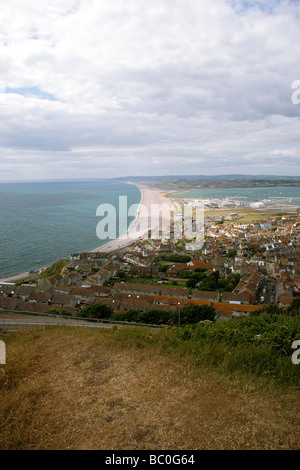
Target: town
x: 241, y: 267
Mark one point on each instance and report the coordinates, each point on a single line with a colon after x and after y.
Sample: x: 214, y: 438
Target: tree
x: 191, y: 283
x: 121, y: 274
x: 269, y: 309
x: 130, y: 315
x: 97, y: 311
x: 185, y: 274
x: 294, y: 308
x: 196, y: 313
x: 156, y: 317
x: 163, y: 269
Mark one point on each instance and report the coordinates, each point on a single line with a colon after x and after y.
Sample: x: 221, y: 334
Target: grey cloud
x: 165, y: 87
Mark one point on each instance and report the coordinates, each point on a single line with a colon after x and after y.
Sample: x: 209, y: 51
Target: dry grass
x: 65, y: 388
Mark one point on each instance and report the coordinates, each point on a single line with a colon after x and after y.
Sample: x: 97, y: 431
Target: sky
x: 101, y: 88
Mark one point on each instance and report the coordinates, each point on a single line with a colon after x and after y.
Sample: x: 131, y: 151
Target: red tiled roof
x: 223, y: 306
x: 143, y: 288
x: 187, y: 302
x: 200, y: 264
x: 205, y: 295
x: 134, y: 304
x: 177, y: 292
x: 165, y: 300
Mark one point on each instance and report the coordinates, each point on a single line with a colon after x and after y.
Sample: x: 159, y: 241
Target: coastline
x: 150, y: 196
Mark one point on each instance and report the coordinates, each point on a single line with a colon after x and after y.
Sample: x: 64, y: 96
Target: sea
x: 42, y: 222
x: 290, y: 195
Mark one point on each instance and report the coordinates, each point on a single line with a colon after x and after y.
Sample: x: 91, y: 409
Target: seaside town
x: 241, y: 267
x: 150, y: 228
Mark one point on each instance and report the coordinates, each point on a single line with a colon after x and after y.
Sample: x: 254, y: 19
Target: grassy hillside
x: 68, y: 388
x: 51, y: 271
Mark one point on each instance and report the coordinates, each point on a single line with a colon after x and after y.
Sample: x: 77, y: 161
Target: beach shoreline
x: 149, y: 196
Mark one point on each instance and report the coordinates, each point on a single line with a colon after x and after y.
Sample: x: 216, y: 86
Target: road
x: 267, y: 292
x: 13, y: 321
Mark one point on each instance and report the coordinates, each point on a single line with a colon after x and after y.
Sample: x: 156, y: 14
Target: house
x: 175, y: 302
x: 7, y: 289
x: 285, y: 300
x: 62, y: 289
x: 282, y: 290
x: 205, y: 295
x: 167, y: 308
x: 149, y: 298
x: 39, y: 296
x: 72, y: 279
x: 152, y: 270
x: 46, y: 285
x: 109, y: 302
x: 62, y: 300
x: 100, y: 291
x: 175, y: 292
x: 9, y: 303
x: 189, y: 302
x: 235, y: 298
x: 249, y: 285
x: 225, y: 311
x: 134, y: 304
x: 177, y: 268
x: 165, y: 248
x: 34, y: 307
x: 24, y: 291
x: 84, y: 268
x: 136, y: 288
x: 199, y: 264
x: 83, y: 295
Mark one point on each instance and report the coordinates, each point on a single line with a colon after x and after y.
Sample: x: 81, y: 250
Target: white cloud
x: 165, y: 86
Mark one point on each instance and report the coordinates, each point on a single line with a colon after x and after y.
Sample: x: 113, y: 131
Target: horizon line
x: 153, y: 177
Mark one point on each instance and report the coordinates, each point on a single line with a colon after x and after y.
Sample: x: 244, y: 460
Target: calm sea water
x: 41, y: 223
x: 250, y: 194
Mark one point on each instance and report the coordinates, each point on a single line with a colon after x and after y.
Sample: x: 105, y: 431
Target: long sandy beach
x: 151, y: 197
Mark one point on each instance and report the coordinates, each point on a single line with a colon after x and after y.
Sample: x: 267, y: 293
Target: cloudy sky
x: 104, y: 88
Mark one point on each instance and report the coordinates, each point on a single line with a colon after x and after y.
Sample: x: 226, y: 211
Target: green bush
x: 131, y: 315
x: 294, y: 308
x: 260, y: 345
x: 186, y: 315
x: 97, y: 311
x: 195, y: 314
x: 58, y: 311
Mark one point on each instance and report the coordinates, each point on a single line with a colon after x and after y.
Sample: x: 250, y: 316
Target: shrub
x: 97, y: 311
x: 58, y: 311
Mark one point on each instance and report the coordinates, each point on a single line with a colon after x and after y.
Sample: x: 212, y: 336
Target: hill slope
x: 67, y: 388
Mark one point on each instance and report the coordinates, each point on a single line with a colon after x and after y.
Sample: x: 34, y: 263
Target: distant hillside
x: 210, y: 181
